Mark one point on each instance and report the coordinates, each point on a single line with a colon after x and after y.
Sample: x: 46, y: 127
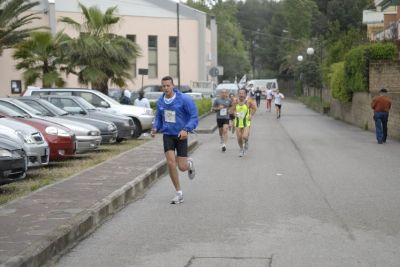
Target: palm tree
x: 13, y: 17
x: 98, y: 56
x: 40, y: 57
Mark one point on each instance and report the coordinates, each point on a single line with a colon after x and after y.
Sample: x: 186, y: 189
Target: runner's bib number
x: 241, y: 115
x: 223, y: 112
x: 170, y: 116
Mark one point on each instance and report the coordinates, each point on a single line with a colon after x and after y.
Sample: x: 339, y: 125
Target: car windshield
x: 110, y: 99
x: 85, y: 104
x: 53, y: 108
x: 12, y: 112
x: 27, y: 108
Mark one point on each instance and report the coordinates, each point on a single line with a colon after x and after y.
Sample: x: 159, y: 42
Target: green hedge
x: 337, y: 82
x: 203, y: 105
x: 357, y: 60
x: 351, y: 75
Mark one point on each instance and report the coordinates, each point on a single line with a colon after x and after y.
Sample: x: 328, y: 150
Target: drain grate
x: 229, y: 261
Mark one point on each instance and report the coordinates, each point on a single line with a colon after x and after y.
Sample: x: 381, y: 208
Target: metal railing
x: 391, y: 33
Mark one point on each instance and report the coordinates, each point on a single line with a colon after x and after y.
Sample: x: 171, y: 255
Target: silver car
x: 34, y: 143
x: 87, y: 136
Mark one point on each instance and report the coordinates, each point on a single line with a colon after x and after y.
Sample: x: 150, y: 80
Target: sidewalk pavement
x: 50, y: 221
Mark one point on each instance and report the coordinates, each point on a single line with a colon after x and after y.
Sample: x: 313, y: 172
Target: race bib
x: 223, y: 112
x: 240, y: 115
x: 170, y: 116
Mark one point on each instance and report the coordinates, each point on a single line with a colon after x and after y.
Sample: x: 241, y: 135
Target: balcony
x: 385, y: 3
x: 391, y: 33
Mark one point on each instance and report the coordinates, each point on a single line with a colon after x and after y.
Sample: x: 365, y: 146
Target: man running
x: 221, y: 107
x: 278, y: 102
x: 176, y: 116
x: 268, y: 96
x: 244, y: 111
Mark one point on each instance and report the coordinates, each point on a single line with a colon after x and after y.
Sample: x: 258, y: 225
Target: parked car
x: 108, y: 130
x: 35, y: 145
x: 153, y: 96
x: 158, y: 88
x: 142, y: 117
x: 87, y: 136
x: 79, y: 107
x: 196, y: 95
x: 13, y: 160
x: 61, y: 140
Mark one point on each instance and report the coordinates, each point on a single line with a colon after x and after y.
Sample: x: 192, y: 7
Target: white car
x: 142, y: 117
x: 196, y: 95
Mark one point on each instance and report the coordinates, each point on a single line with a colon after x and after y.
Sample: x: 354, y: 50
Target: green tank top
x: 242, y: 116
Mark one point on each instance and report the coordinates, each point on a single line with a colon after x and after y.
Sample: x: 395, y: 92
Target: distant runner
x: 221, y: 106
x: 278, y: 102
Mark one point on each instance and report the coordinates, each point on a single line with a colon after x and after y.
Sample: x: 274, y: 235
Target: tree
x: 40, y: 57
x: 99, y: 57
x: 13, y: 21
x: 232, y: 52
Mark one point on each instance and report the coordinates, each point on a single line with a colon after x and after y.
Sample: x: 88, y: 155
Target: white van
x: 264, y: 84
x: 142, y: 117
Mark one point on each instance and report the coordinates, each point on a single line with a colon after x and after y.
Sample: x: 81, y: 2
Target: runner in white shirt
x: 278, y: 102
x: 142, y: 101
x: 268, y: 94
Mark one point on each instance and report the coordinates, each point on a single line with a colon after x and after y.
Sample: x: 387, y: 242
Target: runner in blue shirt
x: 176, y: 116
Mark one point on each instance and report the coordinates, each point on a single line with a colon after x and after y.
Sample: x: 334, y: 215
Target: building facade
x: 152, y: 25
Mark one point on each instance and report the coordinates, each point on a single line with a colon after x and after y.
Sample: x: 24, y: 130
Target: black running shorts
x: 172, y: 142
x: 221, y: 122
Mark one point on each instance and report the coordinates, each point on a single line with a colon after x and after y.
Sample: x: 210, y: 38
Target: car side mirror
x: 104, y: 104
x: 82, y: 112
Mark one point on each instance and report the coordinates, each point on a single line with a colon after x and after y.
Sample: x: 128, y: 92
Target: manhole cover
x: 229, y: 262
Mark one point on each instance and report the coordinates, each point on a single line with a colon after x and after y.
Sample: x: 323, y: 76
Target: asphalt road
x: 311, y: 191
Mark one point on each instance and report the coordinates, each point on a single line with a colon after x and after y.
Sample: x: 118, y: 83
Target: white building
x: 152, y: 24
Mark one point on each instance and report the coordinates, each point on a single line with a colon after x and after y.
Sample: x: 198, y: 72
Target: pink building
x: 152, y: 24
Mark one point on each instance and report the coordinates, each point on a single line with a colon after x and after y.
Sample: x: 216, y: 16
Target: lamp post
x: 178, y: 45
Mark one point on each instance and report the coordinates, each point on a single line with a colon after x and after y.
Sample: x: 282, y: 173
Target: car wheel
x: 119, y: 140
x: 138, y: 128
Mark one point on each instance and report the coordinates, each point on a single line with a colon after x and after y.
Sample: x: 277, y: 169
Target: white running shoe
x: 241, y: 153
x: 177, y: 199
x: 191, y: 170
x: 246, y: 145
x: 223, y: 148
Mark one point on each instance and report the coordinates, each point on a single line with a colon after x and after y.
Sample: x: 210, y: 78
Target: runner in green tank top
x: 244, y: 111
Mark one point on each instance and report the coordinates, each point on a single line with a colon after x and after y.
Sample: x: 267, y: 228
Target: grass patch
x: 56, y: 171
x: 315, y: 103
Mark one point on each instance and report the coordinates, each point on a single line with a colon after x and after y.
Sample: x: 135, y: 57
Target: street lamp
x: 178, y: 45
x: 310, y: 51
x: 300, y: 58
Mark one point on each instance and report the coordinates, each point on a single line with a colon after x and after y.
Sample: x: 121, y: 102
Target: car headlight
x: 25, y: 137
x: 57, y: 131
x: 111, y: 127
x: 6, y: 153
x: 93, y: 133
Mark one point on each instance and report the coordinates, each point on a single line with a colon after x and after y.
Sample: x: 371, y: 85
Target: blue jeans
x: 381, y: 120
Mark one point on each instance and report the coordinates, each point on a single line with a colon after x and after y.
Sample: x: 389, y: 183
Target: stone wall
x: 359, y: 112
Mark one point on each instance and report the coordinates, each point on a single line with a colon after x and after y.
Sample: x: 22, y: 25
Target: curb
x: 63, y: 238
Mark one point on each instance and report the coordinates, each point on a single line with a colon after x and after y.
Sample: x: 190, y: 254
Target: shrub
x: 337, y: 83
x: 203, y: 105
x: 357, y: 60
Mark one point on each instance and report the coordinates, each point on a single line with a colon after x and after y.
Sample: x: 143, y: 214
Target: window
x: 39, y: 107
x: 91, y: 98
x: 173, y: 56
x: 152, y: 46
x: 132, y: 38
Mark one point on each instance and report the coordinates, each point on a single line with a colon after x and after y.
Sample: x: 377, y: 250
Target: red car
x: 62, y: 142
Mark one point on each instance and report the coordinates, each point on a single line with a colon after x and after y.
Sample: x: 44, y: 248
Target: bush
x: 203, y: 105
x: 337, y: 83
x: 357, y: 60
